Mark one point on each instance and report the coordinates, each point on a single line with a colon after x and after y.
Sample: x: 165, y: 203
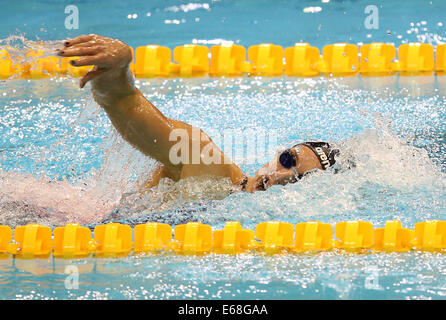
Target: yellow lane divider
x: 302, y: 60
x: 440, y: 67
x: 266, y: 59
x: 377, y: 59
x: 415, y: 59
x: 195, y: 238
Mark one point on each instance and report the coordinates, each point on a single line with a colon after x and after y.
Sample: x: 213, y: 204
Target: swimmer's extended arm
x: 136, y: 118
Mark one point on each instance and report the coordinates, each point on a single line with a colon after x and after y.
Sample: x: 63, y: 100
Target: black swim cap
x: 324, y: 152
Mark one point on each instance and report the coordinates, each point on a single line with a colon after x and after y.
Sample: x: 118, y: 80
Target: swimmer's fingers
x: 82, y: 51
x: 96, y: 60
x: 77, y: 40
x: 88, y: 44
x: 103, y: 53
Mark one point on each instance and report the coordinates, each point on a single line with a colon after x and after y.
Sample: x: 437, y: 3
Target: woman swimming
x: 146, y: 128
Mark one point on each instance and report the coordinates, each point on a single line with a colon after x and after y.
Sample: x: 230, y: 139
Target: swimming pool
x: 394, y: 125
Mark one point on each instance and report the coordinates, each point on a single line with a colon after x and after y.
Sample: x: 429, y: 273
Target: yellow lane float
x: 275, y: 236
x: 301, y: 60
x: 72, y: 241
x: 339, y: 59
x: 440, y: 65
x: 229, y: 60
x: 233, y: 239
x: 430, y: 236
x: 192, y: 238
x: 313, y: 235
x: 393, y: 238
x: 376, y: 59
x: 356, y: 236
x: 112, y: 239
x: 6, y: 69
x: 192, y: 61
x: 415, y: 59
x: 31, y: 241
x: 195, y: 238
x: 152, y: 61
x: 152, y: 237
x: 266, y: 60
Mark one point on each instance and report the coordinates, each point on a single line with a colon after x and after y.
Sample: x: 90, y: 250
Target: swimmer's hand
x: 110, y: 57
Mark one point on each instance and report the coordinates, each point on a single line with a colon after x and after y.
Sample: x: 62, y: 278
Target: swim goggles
x: 289, y: 160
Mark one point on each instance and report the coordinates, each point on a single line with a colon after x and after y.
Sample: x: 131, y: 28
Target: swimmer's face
x: 274, y: 172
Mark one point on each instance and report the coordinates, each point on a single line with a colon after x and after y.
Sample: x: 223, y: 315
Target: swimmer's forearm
x: 140, y: 123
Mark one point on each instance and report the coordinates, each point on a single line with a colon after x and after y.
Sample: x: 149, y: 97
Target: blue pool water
x: 61, y: 161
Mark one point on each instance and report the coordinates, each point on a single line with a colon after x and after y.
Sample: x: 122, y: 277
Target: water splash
x: 391, y: 178
x: 26, y: 52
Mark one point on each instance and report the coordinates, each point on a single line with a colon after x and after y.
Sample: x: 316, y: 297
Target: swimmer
x: 142, y: 125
